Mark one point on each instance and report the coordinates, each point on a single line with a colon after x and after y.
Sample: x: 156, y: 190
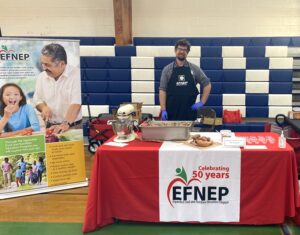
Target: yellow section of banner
x: 65, y: 162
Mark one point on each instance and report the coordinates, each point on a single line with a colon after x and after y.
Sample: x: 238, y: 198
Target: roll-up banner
x: 41, y: 136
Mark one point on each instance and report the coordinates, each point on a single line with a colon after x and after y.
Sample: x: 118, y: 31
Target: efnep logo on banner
x: 181, y: 189
x: 198, y: 185
x: 6, y: 54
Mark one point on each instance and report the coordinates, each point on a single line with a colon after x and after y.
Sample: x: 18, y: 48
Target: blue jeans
x: 40, y: 174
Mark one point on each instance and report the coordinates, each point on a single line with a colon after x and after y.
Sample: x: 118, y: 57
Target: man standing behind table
x: 58, y: 92
x: 178, y: 91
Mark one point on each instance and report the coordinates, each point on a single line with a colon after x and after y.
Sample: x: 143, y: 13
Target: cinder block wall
x: 155, y: 18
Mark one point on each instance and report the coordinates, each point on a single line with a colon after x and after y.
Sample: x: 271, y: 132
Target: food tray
x: 166, y: 130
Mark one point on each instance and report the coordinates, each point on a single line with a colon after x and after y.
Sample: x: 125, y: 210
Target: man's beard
x: 181, y: 58
x: 48, y: 71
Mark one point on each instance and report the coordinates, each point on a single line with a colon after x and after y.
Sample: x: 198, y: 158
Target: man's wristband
x: 66, y: 123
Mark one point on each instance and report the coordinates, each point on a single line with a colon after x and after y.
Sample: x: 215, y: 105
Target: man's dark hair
x: 56, y: 51
x: 183, y: 42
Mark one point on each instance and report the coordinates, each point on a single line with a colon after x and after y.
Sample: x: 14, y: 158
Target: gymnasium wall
x: 155, y: 18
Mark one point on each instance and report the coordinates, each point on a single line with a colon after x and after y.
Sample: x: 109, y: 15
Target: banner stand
x: 40, y: 151
x: 44, y: 190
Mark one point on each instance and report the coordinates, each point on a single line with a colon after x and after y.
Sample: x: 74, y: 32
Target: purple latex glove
x: 197, y: 106
x: 164, y: 115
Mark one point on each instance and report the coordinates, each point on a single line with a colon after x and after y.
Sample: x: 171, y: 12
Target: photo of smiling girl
x: 15, y: 114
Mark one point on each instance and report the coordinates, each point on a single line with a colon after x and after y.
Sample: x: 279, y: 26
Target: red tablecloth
x: 124, y: 184
x: 293, y: 140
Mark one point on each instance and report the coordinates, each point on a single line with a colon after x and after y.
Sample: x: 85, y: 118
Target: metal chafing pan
x: 166, y: 130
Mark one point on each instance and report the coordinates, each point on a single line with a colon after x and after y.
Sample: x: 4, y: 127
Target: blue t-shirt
x: 25, y: 117
x: 40, y: 166
x: 18, y: 172
x: 23, y: 165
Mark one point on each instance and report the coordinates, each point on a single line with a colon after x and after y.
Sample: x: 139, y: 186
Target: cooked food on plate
x: 201, y: 141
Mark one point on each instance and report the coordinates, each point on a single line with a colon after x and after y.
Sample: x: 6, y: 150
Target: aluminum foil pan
x: 166, y: 130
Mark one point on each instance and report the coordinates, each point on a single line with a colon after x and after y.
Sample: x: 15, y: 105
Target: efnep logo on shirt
x: 181, y: 81
x: 181, y: 190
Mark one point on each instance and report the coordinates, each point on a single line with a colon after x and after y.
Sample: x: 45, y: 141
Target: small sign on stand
x: 234, y: 141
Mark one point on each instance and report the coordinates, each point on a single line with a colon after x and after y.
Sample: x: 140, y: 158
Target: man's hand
x: 46, y: 113
x: 164, y: 115
x: 57, y: 129
x: 197, y: 105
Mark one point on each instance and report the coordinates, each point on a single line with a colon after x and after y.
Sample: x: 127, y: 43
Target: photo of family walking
x: 23, y: 172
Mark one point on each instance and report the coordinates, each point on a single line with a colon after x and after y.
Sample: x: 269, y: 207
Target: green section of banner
x: 22, y: 144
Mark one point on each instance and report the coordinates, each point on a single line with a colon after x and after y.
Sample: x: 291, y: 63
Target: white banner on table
x: 199, y: 185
